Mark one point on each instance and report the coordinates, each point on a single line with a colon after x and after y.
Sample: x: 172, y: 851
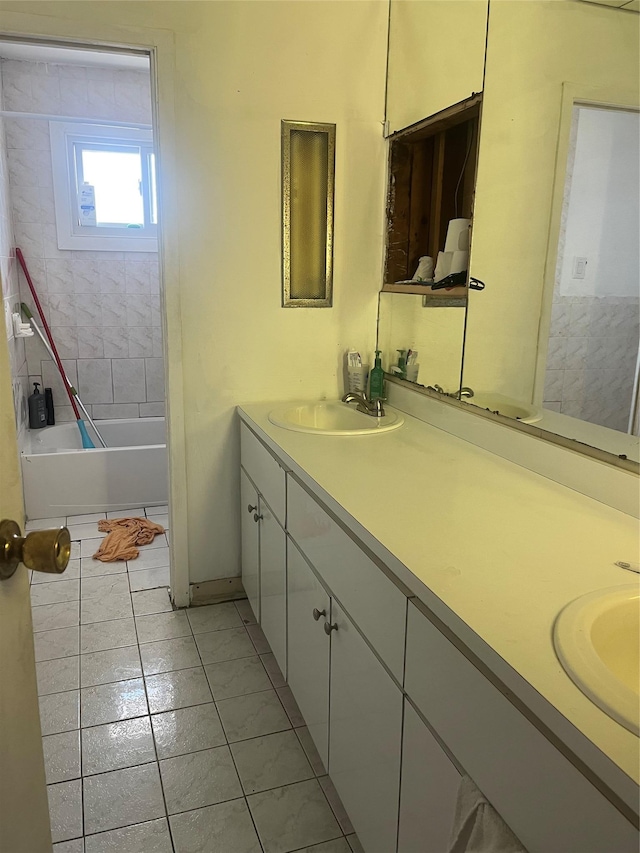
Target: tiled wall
x: 593, y: 347
x: 10, y: 296
x: 103, y: 307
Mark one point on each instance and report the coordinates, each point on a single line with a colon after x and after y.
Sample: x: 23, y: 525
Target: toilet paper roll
x: 458, y: 236
x: 443, y: 267
x: 425, y: 269
x: 459, y: 262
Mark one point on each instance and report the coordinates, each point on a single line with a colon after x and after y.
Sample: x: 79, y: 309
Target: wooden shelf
x: 425, y: 290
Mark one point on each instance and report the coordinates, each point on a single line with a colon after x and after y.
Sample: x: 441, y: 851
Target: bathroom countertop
x: 493, y: 549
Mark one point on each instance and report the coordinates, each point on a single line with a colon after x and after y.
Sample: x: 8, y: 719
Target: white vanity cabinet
x: 309, y: 607
x: 428, y: 789
x: 395, y: 702
x: 365, y: 731
x: 357, y: 732
x: 264, y: 479
x: 250, y: 542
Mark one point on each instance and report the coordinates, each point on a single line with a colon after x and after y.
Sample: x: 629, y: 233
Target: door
x: 250, y: 540
x: 24, y: 812
x: 308, y: 647
x: 365, y: 724
x: 273, y: 589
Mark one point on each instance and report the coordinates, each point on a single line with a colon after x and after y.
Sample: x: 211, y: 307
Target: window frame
x: 65, y: 139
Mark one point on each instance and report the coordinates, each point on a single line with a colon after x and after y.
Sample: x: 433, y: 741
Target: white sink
x: 507, y: 406
x: 597, y: 640
x: 332, y: 418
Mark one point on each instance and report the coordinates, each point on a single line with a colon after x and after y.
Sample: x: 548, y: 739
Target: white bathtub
x: 61, y: 478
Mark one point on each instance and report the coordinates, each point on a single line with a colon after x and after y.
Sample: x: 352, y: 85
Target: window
x: 104, y: 187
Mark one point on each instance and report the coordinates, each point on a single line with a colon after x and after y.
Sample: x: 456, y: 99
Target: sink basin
x: 507, y: 406
x: 332, y: 418
x: 597, y: 640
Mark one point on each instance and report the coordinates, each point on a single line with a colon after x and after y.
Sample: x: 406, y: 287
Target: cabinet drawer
x: 374, y: 603
x: 545, y: 800
x: 266, y: 473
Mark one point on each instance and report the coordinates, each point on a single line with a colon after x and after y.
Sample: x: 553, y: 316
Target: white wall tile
x: 114, y: 310
x: 66, y: 339
x: 88, y: 309
x: 62, y: 309
x: 553, y: 385
x: 95, y: 383
x: 115, y: 410
x: 90, y: 342
x: 138, y: 310
x: 140, y: 342
x: 59, y: 275
x: 51, y: 379
x: 116, y: 341
x: 28, y: 237
x: 129, y: 380
x: 152, y: 410
x: 112, y: 276
x: 155, y: 379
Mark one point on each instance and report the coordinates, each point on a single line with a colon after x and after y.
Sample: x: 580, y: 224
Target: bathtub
x: 61, y: 478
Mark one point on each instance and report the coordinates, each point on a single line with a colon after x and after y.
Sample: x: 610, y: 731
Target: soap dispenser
x: 376, y: 383
x: 37, y: 408
x: 402, y: 363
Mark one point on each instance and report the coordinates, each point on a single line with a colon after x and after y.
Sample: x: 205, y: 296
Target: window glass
x: 117, y: 179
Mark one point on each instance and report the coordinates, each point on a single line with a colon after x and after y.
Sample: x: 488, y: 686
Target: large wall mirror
x: 553, y: 338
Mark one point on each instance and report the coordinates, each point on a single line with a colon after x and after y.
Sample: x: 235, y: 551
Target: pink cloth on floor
x: 123, y: 534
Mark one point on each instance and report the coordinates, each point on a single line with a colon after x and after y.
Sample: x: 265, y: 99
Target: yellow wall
x: 241, y: 67
x: 436, y: 56
x: 533, y: 47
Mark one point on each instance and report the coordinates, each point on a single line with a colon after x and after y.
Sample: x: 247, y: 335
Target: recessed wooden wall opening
x: 432, y: 175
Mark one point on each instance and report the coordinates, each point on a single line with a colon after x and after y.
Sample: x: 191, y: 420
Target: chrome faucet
x: 465, y: 391
x: 365, y: 405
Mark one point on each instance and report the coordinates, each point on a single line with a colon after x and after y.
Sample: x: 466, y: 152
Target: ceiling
x: 71, y: 56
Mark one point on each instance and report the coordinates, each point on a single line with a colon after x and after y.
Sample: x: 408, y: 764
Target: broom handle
x: 67, y: 381
x: 56, y: 357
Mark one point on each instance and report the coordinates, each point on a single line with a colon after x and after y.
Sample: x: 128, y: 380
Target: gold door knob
x: 41, y: 550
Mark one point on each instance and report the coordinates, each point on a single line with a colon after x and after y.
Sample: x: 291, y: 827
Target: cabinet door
x: 428, y: 790
x: 273, y: 589
x: 250, y: 537
x: 364, y: 736
x: 308, y: 648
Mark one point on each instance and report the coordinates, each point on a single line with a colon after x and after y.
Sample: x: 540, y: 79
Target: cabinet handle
x: 257, y: 517
x: 318, y: 613
x: 252, y: 508
x: 329, y: 628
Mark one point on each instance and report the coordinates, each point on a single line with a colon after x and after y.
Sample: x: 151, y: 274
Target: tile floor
x: 168, y: 731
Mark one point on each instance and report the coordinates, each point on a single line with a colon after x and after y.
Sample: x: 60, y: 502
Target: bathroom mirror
x: 544, y: 60
x: 434, y: 333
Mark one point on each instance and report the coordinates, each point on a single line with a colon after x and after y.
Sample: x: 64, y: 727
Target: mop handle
x: 27, y: 313
x: 54, y: 351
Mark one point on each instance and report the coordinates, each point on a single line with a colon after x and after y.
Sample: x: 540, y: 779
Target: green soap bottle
x: 376, y: 379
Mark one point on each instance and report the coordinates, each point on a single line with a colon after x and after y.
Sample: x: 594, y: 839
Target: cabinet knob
x: 329, y: 628
x: 257, y: 517
x: 318, y: 613
x: 252, y: 508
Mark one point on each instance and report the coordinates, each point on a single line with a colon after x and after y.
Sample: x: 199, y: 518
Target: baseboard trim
x: 215, y: 591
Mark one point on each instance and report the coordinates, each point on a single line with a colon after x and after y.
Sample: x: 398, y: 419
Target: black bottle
x: 37, y: 408
x: 48, y: 401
